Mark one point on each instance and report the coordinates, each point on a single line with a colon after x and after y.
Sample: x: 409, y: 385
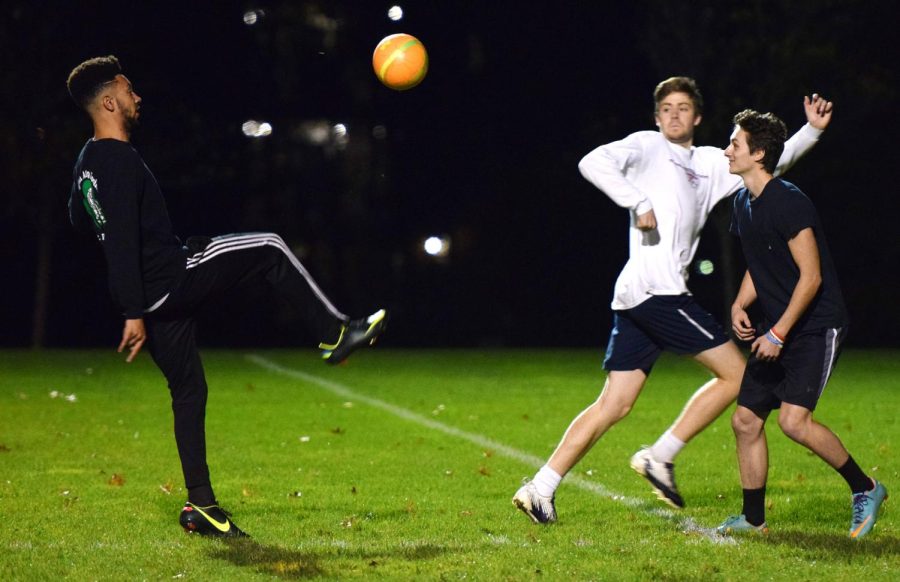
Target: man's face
x: 677, y: 118
x: 740, y: 160
x: 128, y: 103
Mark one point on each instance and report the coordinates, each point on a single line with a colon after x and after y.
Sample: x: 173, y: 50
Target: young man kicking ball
x: 160, y: 284
x: 791, y: 275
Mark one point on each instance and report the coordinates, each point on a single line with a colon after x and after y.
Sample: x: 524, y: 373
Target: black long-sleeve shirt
x: 114, y: 192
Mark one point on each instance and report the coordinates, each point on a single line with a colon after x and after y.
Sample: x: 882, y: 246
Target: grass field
x: 402, y: 464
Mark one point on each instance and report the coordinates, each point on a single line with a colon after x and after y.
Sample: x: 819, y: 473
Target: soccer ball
x: 400, y: 61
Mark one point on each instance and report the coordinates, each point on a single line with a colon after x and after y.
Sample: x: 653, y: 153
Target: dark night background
x: 484, y: 151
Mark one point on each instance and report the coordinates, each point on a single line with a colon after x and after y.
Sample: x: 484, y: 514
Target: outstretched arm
x: 818, y: 116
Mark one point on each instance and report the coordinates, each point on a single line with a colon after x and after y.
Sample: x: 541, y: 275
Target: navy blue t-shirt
x: 765, y: 225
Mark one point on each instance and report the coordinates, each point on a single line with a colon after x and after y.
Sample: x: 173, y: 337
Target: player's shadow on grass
x: 294, y: 565
x: 271, y: 560
x: 825, y: 545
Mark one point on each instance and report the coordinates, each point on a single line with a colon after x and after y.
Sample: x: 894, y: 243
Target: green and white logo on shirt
x: 88, y: 186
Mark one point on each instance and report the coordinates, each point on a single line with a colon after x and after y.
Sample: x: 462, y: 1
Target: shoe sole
x: 743, y: 532
x: 656, y: 486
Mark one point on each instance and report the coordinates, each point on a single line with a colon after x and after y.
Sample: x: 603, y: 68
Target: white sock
x: 546, y: 480
x: 667, y: 447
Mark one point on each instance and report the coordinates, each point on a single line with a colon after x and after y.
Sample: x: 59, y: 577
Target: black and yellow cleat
x: 209, y: 521
x: 356, y: 334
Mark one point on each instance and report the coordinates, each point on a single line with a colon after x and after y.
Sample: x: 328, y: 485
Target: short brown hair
x: 764, y: 132
x: 86, y: 80
x: 678, y: 85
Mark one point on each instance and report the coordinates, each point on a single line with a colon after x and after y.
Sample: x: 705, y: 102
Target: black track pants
x: 216, y: 266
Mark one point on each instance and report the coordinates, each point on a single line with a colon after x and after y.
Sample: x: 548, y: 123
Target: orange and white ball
x: 400, y: 61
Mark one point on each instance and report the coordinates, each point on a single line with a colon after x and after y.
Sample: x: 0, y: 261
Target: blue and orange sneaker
x: 865, y: 509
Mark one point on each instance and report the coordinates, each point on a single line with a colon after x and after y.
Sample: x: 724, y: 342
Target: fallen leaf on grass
x: 116, y: 480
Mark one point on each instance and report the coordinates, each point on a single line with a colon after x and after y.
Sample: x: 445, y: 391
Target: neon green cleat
x: 354, y: 335
x: 211, y: 520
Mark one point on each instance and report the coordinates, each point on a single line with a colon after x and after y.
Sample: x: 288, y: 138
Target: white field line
x: 686, y: 524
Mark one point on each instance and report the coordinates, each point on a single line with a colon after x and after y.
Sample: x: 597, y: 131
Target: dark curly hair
x: 678, y: 85
x: 764, y: 132
x: 86, y: 80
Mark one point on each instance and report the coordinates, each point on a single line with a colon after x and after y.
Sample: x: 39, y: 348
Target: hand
x: 646, y: 221
x: 740, y: 324
x: 765, y: 350
x: 818, y: 111
x: 133, y: 337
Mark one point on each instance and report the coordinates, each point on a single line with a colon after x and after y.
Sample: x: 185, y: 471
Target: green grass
x: 332, y: 486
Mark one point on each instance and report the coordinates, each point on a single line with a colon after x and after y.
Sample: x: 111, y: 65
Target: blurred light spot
x: 437, y: 246
x: 341, y: 135
x: 252, y: 17
x: 706, y: 267
x: 253, y: 128
x: 395, y: 13
x: 315, y: 132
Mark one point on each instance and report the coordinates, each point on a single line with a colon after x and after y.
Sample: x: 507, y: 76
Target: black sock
x: 755, y: 506
x: 202, y: 496
x: 855, y: 478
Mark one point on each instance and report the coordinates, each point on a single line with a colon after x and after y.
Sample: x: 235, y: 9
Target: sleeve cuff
x: 643, y: 207
x: 811, y: 132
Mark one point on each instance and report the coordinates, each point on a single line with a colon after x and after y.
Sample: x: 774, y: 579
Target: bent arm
x: 606, y: 166
x: 805, y: 252
x: 740, y: 321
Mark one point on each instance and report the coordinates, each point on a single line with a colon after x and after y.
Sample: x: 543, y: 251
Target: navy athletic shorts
x: 664, y: 322
x: 797, y: 377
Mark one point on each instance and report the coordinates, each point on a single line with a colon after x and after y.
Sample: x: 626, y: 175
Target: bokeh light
x: 253, y: 128
x: 437, y: 246
x: 395, y: 13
